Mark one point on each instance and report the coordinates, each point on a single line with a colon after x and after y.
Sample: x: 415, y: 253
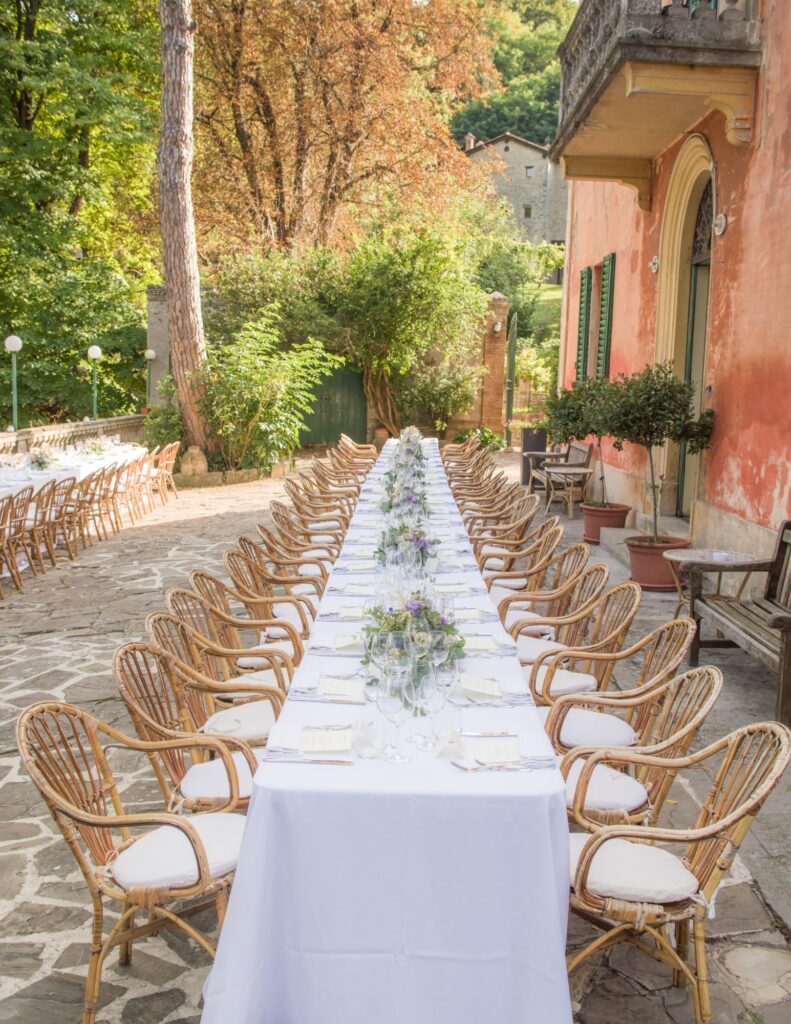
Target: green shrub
x: 256, y: 394
x: 164, y: 425
x: 488, y: 438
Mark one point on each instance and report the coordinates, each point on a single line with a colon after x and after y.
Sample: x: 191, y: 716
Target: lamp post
x: 94, y: 354
x: 12, y: 345
x: 150, y: 357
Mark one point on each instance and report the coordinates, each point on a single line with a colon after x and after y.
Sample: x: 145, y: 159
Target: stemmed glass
x: 391, y: 698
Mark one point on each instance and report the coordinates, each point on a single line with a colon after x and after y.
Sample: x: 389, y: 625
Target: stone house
x: 532, y: 184
x: 675, y: 134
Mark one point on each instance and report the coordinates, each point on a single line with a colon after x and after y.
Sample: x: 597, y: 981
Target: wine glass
x: 391, y: 701
x: 431, y: 699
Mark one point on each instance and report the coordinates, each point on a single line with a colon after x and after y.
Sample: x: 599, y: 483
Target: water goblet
x: 390, y: 699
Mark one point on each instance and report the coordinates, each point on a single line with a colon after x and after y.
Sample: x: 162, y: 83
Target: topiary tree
x: 652, y: 407
x: 583, y: 410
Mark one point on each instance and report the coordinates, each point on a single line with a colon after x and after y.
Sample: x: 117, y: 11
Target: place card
x: 341, y: 686
x: 494, y: 751
x: 351, y: 612
x: 480, y: 644
x: 363, y: 565
x: 321, y: 741
x: 350, y: 642
x: 354, y: 589
x: 469, y: 615
x: 451, y: 588
x: 480, y: 686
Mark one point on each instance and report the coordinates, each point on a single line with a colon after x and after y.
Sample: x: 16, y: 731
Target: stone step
x: 670, y: 525
x: 614, y: 541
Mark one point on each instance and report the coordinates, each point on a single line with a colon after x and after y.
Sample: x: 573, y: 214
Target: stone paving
x: 57, y: 640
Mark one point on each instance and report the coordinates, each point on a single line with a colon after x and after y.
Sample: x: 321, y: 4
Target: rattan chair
x: 664, y: 719
x: 164, y: 865
x: 590, y: 668
x: 162, y: 472
x: 161, y: 707
x: 551, y: 587
x: 635, y: 891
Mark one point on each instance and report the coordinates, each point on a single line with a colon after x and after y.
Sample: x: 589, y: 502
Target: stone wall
x: 60, y: 435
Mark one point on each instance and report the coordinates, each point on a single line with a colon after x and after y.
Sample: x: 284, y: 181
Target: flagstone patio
x: 58, y: 638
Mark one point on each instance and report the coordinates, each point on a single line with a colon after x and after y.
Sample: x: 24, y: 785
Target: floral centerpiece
x: 417, y: 613
x: 403, y: 535
x: 40, y: 458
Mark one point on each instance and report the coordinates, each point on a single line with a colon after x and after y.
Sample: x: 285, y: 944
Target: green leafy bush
x: 256, y: 394
x: 163, y: 424
x: 489, y: 438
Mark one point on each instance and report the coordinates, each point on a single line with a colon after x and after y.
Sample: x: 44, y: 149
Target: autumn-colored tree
x: 311, y: 110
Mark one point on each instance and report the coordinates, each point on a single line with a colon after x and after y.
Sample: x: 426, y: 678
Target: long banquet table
x: 77, y: 466
x: 399, y: 893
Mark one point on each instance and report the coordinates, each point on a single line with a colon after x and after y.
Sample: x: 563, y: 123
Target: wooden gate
x: 340, y: 408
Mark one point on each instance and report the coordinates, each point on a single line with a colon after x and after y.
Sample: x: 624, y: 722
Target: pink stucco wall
x: 748, y: 470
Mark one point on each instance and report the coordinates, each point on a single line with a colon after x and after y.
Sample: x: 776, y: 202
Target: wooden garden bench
x: 761, y: 627
x: 565, y: 485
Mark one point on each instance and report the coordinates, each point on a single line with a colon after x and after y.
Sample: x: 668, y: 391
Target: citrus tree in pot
x: 582, y: 411
x: 648, y: 409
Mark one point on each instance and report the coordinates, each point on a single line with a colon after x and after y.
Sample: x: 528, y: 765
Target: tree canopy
x: 527, y: 34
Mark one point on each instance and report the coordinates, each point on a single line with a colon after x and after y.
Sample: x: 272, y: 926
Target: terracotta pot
x: 597, y: 516
x: 649, y: 568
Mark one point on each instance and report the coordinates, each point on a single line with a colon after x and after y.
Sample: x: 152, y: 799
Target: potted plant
x: 584, y: 410
x: 648, y: 409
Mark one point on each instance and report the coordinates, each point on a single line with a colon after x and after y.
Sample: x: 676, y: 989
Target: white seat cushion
x: 250, y: 721
x: 528, y: 648
x: 563, y: 681
x: 504, y: 587
x: 584, y: 728
x: 633, y: 871
x: 164, y: 857
x: 209, y: 780
x: 494, y: 549
x: 289, y: 613
x: 608, y: 789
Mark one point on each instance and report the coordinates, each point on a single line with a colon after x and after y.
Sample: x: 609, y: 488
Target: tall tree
x: 79, y: 88
x: 310, y: 111
x: 179, y: 244
x: 528, y: 33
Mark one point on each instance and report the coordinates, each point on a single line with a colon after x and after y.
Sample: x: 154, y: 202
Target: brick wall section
x: 489, y: 407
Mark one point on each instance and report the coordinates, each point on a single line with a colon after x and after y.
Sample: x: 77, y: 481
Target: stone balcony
x: 636, y: 74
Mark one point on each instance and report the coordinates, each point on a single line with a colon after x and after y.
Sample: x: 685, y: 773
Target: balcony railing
x: 606, y: 34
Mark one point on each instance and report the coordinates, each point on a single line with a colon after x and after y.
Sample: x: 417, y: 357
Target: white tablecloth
x: 399, y: 893
x: 12, y: 481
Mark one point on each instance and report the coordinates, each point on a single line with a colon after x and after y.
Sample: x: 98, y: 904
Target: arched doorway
x: 695, y: 341
x: 684, y: 288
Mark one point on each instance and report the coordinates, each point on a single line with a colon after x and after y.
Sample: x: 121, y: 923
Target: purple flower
x: 413, y: 606
x: 443, y: 621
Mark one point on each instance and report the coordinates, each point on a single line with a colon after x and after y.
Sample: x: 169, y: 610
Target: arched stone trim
x: 691, y: 172
x: 693, y: 169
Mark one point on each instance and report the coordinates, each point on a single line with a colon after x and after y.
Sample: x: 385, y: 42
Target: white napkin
x: 341, y: 686
x: 355, y: 589
x: 348, y: 642
x: 494, y: 751
x: 321, y: 741
x: 480, y: 643
x: 479, y: 686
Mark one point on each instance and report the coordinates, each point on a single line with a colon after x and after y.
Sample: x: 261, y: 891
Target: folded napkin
x: 350, y: 642
x: 341, y: 686
x: 494, y: 751
x: 481, y: 643
x: 451, y: 588
x: 354, y: 589
x: 359, y: 565
x: 480, y: 686
x: 317, y: 740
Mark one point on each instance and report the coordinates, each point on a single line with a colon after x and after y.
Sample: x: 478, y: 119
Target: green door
x: 340, y: 409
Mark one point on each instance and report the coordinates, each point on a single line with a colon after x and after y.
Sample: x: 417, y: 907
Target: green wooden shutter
x: 583, y: 326
x: 605, y: 317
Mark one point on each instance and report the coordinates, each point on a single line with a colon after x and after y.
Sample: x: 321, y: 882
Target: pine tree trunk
x: 177, y: 220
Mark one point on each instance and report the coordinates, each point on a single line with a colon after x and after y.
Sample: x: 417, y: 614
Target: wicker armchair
x: 635, y: 891
x: 588, y: 669
x: 670, y: 715
x: 146, y: 861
